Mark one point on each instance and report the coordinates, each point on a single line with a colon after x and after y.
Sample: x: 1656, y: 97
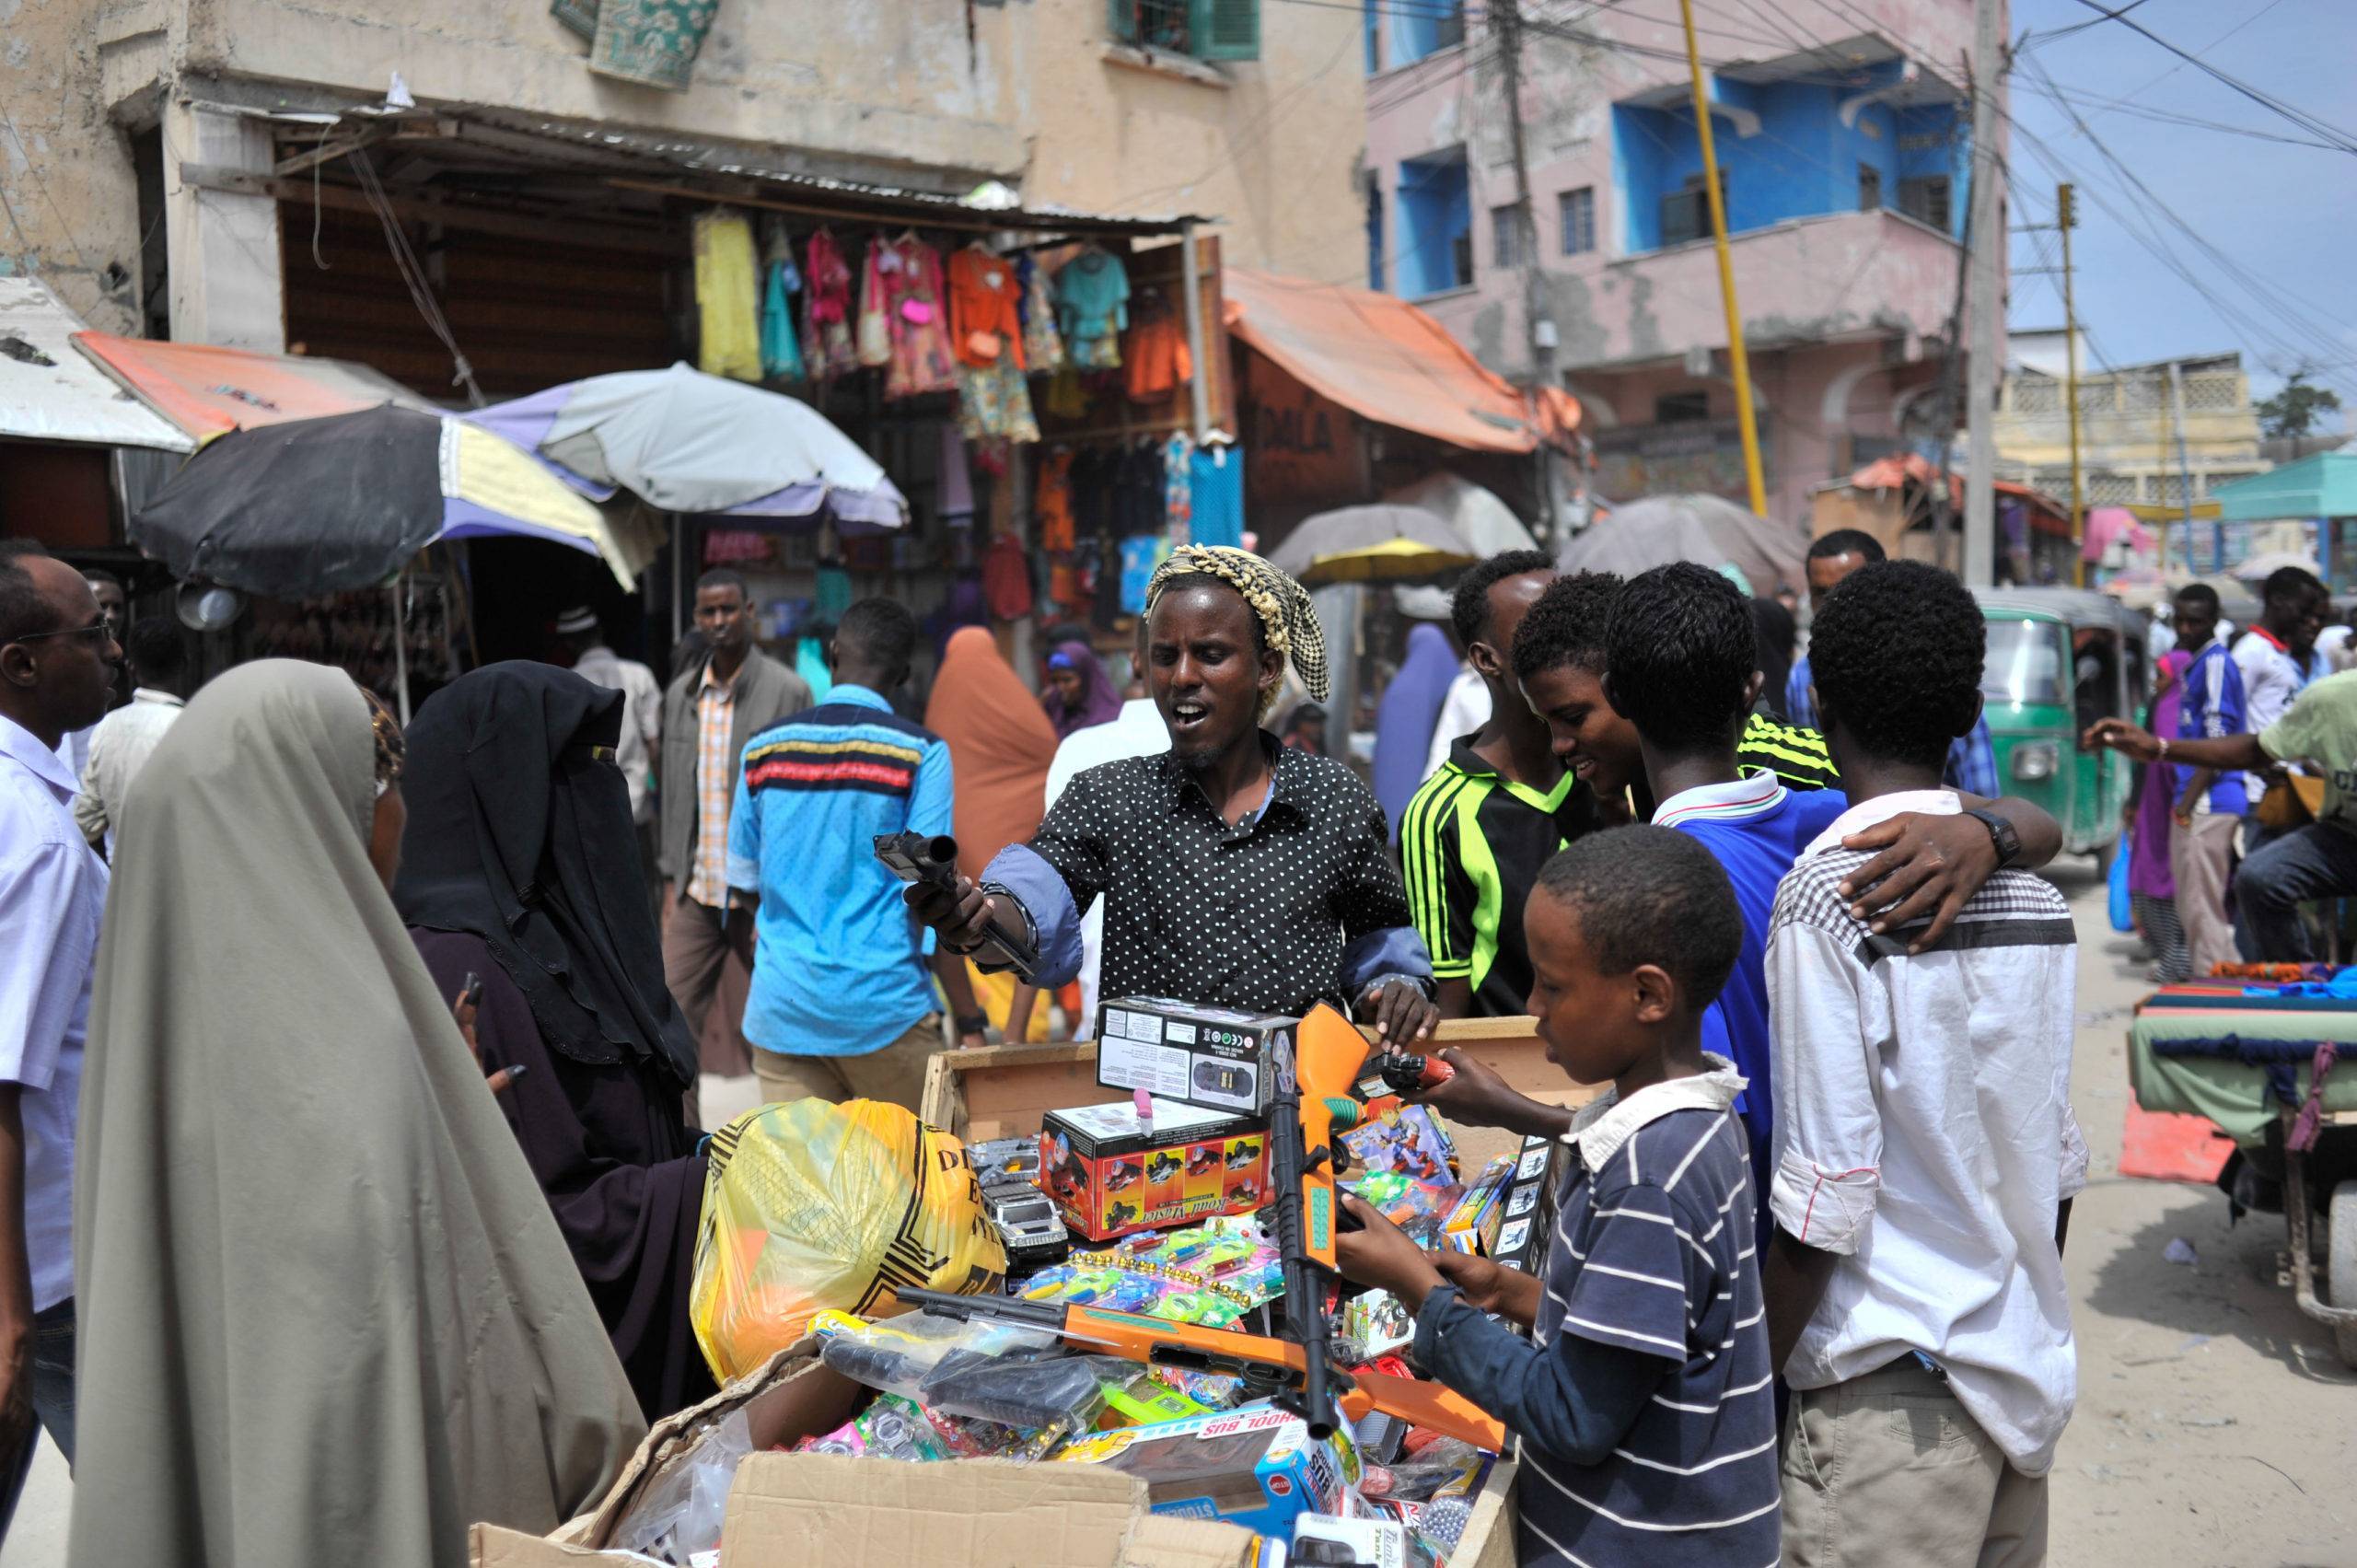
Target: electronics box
x: 1214, y: 1057
x: 1112, y: 1174
x: 1526, y: 1212
x: 1256, y: 1467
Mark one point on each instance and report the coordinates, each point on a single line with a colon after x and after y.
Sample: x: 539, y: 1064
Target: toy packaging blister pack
x: 1214, y: 1057
x: 1420, y: 1208
x: 1404, y: 1138
x: 1212, y: 1275
x: 1112, y: 1173
x: 1256, y: 1467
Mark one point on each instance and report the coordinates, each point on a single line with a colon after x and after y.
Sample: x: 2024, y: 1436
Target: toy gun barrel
x: 933, y: 863
x: 1304, y: 1284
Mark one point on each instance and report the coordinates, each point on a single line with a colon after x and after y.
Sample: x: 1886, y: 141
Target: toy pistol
x: 1406, y: 1074
x: 914, y: 859
x: 1270, y: 1368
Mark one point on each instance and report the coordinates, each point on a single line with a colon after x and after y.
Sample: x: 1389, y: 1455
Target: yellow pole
x: 2066, y: 216
x: 1737, y: 362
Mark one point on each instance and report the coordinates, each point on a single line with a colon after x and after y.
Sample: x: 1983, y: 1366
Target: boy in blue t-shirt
x: 1643, y: 1398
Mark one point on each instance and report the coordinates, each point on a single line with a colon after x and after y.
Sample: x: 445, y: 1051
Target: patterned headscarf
x: 1287, y: 617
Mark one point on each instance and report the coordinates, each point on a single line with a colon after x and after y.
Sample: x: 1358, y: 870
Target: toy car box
x: 1527, y: 1207
x: 1256, y: 1467
x: 1214, y: 1057
x: 1110, y: 1174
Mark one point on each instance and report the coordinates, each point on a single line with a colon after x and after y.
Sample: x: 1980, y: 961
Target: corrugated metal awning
x: 50, y: 392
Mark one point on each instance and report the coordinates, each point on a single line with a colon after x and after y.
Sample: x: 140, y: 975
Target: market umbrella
x: 684, y: 441
x: 325, y: 505
x: 1486, y: 524
x: 1370, y: 544
x: 1709, y: 530
x: 2261, y: 566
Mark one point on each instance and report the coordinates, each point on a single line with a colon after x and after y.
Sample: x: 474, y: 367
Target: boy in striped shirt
x: 1644, y: 1397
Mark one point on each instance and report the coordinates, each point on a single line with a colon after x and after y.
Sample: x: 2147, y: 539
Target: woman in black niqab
x: 520, y: 865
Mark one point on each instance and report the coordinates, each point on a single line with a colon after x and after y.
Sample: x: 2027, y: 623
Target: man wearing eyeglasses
x: 108, y: 588
x: 58, y: 659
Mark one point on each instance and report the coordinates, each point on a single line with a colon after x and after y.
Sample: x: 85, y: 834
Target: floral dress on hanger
x: 909, y: 275
x: 827, y: 350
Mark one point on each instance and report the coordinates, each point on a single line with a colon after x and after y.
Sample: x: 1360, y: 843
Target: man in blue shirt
x: 1972, y: 761
x: 842, y: 1007
x: 2209, y: 804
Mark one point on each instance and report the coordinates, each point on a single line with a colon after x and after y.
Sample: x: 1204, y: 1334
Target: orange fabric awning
x: 2047, y: 515
x: 1384, y: 359
x: 209, y: 391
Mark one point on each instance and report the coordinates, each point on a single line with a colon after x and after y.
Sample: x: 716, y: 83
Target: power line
x: 2312, y: 123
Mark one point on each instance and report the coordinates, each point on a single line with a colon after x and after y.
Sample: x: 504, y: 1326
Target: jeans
x: 2256, y: 836
x: 52, y: 1397
x: 2314, y: 862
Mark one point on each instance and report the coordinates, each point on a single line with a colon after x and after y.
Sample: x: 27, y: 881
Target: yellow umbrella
x: 1372, y: 544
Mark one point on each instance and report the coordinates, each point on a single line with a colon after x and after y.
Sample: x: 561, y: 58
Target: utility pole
x: 1738, y: 363
x: 2066, y: 218
x: 1987, y: 258
x: 1538, y: 323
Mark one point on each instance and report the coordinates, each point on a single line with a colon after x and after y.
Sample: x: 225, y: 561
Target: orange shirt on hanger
x: 1154, y: 357
x: 983, y: 325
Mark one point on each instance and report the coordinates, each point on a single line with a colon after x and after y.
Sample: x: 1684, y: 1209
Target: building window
x: 1374, y: 231
x: 1577, y: 212
x: 1435, y: 212
x: 1506, y: 236
x: 1207, y: 30
x: 1374, y: 44
x: 1925, y: 200
x: 1681, y: 408
x: 1422, y: 30
x: 1686, y: 213
x: 1869, y: 188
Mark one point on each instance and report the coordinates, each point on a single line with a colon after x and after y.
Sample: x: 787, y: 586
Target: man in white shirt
x: 119, y: 747
x: 1926, y: 1155
x: 58, y: 659
x: 1138, y: 731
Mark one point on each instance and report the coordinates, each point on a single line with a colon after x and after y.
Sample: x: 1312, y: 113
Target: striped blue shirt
x: 838, y: 968
x: 1653, y: 1255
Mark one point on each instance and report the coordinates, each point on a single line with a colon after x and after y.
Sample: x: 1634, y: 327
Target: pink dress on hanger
x: 916, y: 306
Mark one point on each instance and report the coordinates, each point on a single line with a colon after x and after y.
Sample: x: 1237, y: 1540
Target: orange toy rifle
x: 1270, y: 1368
x: 1313, y: 1080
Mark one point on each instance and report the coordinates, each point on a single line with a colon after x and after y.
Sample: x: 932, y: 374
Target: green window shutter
x: 1226, y: 29
x: 1122, y: 20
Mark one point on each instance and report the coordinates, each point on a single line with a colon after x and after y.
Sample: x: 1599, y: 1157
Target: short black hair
x: 881, y: 631
x: 1848, y: 541
x: 100, y: 574
x: 158, y: 650
x: 1680, y: 655
x: 2199, y: 594
x: 1187, y: 582
x: 1469, y: 606
x: 1897, y: 656
x: 2287, y: 584
x: 726, y: 577
x: 1569, y: 625
x: 1647, y: 895
x: 23, y: 609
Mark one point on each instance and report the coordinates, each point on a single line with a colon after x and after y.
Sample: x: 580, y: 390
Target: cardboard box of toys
x: 1112, y: 1172
x: 1214, y: 1057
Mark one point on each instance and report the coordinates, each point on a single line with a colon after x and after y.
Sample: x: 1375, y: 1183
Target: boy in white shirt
x: 1926, y: 1154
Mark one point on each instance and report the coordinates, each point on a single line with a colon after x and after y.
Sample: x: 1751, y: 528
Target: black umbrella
x: 324, y: 506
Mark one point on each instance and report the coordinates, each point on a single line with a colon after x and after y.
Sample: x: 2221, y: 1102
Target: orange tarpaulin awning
x: 2047, y: 515
x: 208, y: 391
x: 1384, y: 360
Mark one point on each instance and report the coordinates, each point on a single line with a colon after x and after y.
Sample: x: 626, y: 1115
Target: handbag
x: 2292, y: 800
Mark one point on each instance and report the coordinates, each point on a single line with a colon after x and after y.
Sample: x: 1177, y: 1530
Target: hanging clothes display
x: 1153, y: 354
x: 781, y: 355
x: 728, y: 340
x: 906, y: 277
x: 1093, y: 308
x: 832, y: 592
x: 1067, y: 399
x: 1043, y: 346
x: 956, y: 484
x: 1007, y: 578
x: 994, y: 402
x: 1215, y: 494
x: 1051, y: 501
x: 1177, y: 488
x: 1137, y: 497
x: 985, y: 325
x: 1141, y: 554
x: 827, y: 350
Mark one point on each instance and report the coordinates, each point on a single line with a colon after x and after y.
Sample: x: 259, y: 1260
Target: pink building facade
x: 1843, y: 130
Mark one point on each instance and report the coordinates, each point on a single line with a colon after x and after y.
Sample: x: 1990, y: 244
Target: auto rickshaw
x: 2059, y: 659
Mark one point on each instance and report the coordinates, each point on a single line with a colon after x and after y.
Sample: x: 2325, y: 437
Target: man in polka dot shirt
x: 1236, y: 872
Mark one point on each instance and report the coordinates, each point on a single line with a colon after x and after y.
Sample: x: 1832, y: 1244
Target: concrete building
x: 1843, y: 134
x: 144, y: 149
x: 2144, y: 430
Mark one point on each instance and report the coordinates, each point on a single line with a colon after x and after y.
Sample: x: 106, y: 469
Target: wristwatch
x: 2001, y: 833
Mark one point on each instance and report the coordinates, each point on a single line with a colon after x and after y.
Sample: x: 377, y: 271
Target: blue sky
x: 2285, y: 215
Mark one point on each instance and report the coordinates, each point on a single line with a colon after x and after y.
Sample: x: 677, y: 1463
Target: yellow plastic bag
x: 810, y: 1205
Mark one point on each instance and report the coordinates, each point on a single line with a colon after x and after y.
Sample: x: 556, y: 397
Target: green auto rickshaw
x: 2059, y: 659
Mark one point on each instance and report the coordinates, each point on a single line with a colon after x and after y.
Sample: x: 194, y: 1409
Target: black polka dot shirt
x: 1298, y: 904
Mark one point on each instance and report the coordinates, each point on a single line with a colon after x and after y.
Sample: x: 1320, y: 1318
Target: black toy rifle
x: 914, y: 859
